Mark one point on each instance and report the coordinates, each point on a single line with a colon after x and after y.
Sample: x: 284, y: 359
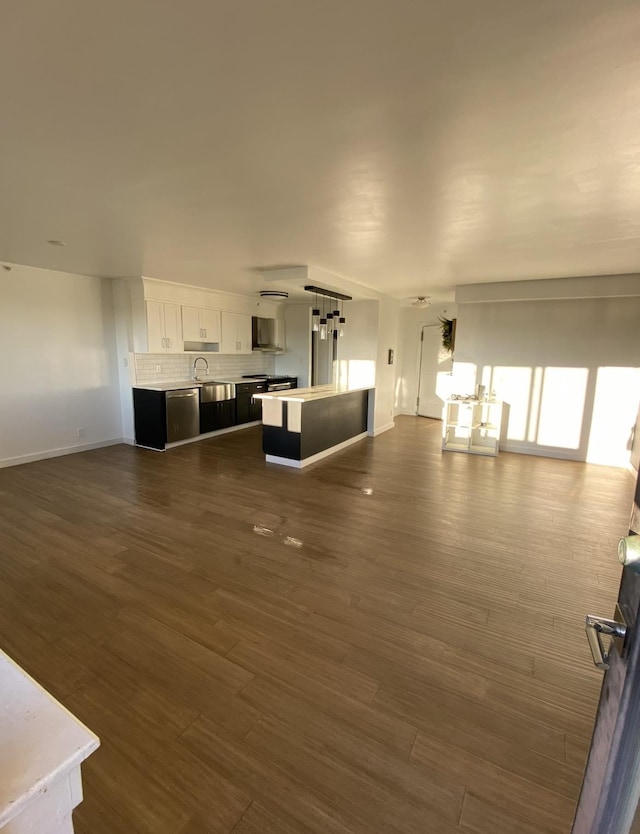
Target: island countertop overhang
x: 317, y: 392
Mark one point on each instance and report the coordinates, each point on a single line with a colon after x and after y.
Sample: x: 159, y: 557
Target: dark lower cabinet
x: 150, y: 413
x: 150, y: 418
x: 248, y: 410
x: 243, y: 408
x: 215, y: 416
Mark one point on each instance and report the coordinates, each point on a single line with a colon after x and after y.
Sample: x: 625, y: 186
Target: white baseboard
x: 58, y: 453
x: 541, y: 451
x: 406, y: 412
x: 376, y: 432
x: 300, y: 464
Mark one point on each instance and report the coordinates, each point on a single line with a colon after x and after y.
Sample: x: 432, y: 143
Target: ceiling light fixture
x: 422, y: 301
x: 275, y: 294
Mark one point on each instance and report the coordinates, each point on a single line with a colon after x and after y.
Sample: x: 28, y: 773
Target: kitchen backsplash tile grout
x: 176, y: 366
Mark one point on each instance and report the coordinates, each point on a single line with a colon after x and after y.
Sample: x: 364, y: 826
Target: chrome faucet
x: 195, y: 366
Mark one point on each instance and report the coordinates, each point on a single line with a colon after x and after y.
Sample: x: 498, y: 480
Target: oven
x: 282, y: 384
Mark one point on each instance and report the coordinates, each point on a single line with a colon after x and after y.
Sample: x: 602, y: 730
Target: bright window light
x: 513, y: 386
x: 562, y: 407
x: 614, y: 415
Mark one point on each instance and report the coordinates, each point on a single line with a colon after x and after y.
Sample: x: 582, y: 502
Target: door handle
x: 596, y: 626
x: 629, y: 552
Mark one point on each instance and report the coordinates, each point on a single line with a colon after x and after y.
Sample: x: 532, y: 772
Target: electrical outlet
x: 159, y: 369
x: 81, y: 431
x: 125, y: 362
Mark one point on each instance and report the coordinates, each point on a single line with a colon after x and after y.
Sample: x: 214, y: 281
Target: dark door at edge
x: 609, y: 800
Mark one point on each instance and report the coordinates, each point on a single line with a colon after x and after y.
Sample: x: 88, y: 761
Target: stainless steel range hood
x: 267, y: 334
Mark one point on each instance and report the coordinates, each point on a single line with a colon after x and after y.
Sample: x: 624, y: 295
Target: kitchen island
x: 304, y: 425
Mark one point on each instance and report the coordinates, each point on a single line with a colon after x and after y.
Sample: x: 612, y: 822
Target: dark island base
x: 326, y: 425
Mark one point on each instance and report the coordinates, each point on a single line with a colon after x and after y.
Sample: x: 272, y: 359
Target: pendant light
x: 330, y: 321
x: 336, y: 315
x: 341, y: 322
x: 323, y: 324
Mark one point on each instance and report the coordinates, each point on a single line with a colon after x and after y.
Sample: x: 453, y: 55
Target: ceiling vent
x: 274, y: 295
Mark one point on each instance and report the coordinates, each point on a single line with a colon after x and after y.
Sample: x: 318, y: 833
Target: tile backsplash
x: 179, y: 366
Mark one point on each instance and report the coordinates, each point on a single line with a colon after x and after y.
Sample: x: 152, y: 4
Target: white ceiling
x: 408, y: 145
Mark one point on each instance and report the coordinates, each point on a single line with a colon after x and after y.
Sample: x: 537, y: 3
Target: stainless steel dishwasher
x: 183, y: 414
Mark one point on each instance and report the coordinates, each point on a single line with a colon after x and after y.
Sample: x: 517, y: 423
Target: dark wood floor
x: 389, y: 641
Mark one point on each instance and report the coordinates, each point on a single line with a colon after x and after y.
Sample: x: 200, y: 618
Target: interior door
x: 635, y: 444
x: 611, y: 787
x: 434, y: 365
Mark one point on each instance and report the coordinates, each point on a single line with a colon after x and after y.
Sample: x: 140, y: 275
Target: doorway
x: 435, y: 370
x: 610, y: 797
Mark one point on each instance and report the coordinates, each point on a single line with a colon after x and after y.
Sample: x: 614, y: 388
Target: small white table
x: 472, y: 426
x: 42, y: 746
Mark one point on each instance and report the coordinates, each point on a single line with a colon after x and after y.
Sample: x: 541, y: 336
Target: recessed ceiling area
x: 407, y: 147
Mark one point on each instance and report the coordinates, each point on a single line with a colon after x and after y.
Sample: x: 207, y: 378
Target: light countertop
x: 169, y: 386
x: 40, y: 741
x: 317, y: 392
x: 240, y: 380
x: 192, y: 383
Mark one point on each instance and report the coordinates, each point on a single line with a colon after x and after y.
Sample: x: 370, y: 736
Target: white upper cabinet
x: 164, y: 327
x: 236, y: 333
x: 200, y: 324
x: 191, y: 324
x: 210, y: 324
x: 170, y: 318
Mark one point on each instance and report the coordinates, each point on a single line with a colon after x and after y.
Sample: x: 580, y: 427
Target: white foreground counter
x: 42, y: 746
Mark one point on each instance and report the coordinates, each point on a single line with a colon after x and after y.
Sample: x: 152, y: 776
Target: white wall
x: 385, y: 396
x: 412, y: 319
x: 570, y: 370
x: 372, y: 329
x: 358, y: 348
x: 57, y: 364
x: 125, y: 360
